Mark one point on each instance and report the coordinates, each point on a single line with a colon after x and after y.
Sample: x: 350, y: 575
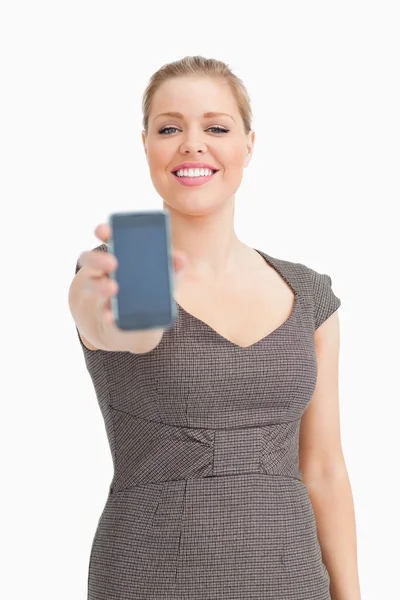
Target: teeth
x: 194, y: 172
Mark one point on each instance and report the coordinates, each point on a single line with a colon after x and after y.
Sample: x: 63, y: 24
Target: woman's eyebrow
x: 178, y: 115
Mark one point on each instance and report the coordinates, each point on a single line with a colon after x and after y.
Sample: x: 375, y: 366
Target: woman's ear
x: 250, y: 147
x: 144, y: 140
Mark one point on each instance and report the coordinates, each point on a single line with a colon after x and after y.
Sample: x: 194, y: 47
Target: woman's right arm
x: 89, y: 301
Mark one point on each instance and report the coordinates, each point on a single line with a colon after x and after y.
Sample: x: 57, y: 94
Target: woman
x: 225, y: 443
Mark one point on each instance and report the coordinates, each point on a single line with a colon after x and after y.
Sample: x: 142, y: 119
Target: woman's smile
x: 194, y: 173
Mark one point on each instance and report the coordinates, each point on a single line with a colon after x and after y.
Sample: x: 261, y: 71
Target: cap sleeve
x: 325, y: 300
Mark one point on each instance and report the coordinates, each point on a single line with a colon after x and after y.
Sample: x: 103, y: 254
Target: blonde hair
x: 198, y: 66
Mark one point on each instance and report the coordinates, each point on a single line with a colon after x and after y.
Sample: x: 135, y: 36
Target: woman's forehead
x: 195, y: 96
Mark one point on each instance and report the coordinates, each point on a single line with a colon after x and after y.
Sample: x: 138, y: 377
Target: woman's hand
x: 97, y: 289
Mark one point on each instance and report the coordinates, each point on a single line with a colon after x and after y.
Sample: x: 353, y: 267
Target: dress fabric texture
x: 207, y: 500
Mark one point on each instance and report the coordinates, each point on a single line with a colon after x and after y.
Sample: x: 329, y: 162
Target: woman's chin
x: 194, y: 204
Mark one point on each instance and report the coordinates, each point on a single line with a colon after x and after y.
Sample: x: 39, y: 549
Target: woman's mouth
x: 192, y: 177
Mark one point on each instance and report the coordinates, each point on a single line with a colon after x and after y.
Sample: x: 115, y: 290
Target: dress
x: 207, y: 500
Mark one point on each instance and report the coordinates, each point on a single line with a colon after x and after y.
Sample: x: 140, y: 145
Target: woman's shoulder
x: 297, y: 272
x: 308, y: 282
x: 303, y: 272
x: 101, y: 248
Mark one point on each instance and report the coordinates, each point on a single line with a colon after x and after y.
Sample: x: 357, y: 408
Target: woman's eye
x: 219, y: 129
x: 167, y: 129
x: 216, y: 129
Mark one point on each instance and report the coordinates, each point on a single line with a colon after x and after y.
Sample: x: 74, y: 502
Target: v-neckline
x: 268, y: 259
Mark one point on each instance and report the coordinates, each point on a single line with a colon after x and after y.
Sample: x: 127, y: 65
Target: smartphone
x: 141, y: 242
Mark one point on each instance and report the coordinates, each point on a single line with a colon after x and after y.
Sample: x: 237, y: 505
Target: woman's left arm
x: 324, y: 470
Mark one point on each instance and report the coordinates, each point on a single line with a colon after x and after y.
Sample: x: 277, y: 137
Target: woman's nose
x: 192, y: 146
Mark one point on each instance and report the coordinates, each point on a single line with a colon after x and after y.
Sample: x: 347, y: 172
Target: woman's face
x: 202, y: 129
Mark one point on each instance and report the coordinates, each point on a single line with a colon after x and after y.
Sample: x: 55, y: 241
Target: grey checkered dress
x: 207, y: 499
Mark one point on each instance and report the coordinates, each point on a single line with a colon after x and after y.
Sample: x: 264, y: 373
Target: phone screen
x: 140, y: 243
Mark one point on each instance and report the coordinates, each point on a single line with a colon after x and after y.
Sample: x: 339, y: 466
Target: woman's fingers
x: 101, y: 262
x: 103, y: 232
x: 103, y: 287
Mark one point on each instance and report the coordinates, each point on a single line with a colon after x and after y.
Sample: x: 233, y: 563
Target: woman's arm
x: 324, y: 470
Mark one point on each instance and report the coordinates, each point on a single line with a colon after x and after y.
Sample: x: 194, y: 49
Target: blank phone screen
x: 142, y: 272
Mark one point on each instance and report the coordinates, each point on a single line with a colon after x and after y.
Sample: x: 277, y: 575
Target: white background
x: 322, y: 189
